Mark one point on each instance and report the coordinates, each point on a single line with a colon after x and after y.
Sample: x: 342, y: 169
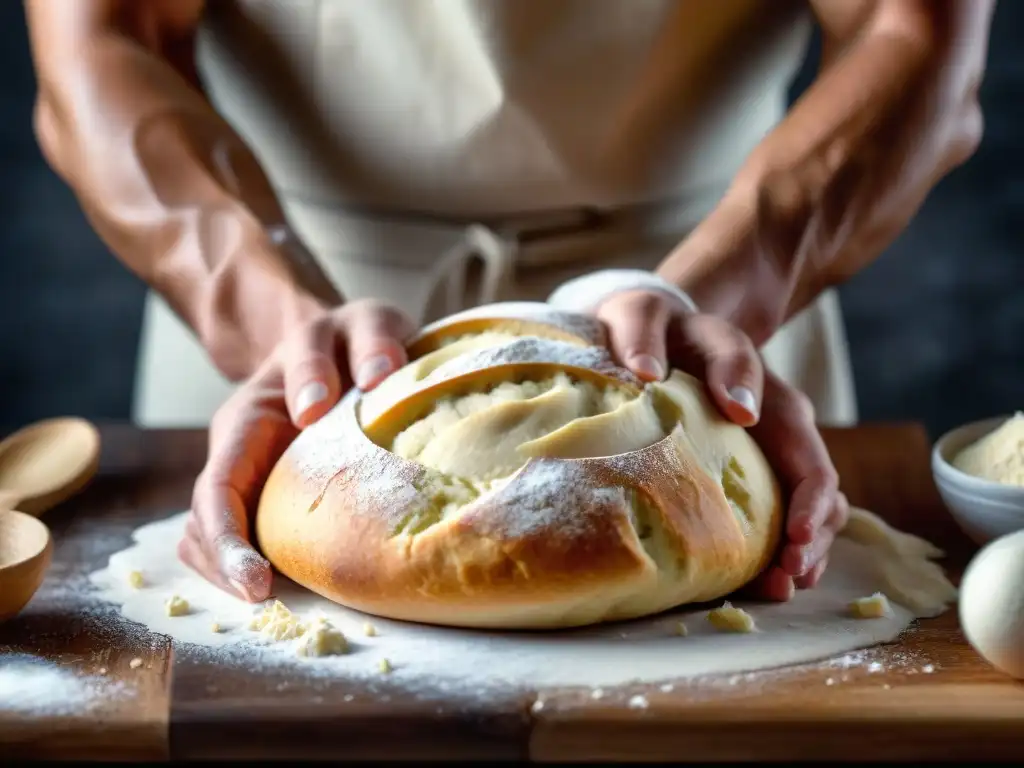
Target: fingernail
x: 744, y: 398
x: 371, y: 370
x: 310, y: 394
x: 805, y: 562
x: 647, y: 366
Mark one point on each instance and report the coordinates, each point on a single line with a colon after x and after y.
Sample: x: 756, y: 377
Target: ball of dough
x: 513, y: 476
x: 992, y: 603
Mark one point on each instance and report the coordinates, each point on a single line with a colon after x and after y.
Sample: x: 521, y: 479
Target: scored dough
x: 512, y: 475
x: 489, y: 435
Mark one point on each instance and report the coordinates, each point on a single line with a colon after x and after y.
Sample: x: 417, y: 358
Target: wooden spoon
x: 46, y: 463
x: 26, y: 549
x: 40, y: 466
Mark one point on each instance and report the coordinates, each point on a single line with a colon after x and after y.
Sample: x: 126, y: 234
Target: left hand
x: 649, y: 330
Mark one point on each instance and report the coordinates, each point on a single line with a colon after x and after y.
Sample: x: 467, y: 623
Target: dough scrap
x: 729, y: 618
x: 874, y: 606
x: 322, y: 639
x: 176, y: 606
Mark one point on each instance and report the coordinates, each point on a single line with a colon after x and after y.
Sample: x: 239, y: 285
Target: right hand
x: 356, y: 344
x: 651, y: 333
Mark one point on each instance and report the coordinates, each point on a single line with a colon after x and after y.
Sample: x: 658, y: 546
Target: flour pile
x: 33, y: 686
x: 868, y: 557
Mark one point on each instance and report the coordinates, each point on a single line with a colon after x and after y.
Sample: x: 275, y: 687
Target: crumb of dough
x: 681, y: 629
x: 322, y: 638
x: 216, y: 628
x: 136, y: 580
x: 369, y: 630
x: 135, y: 663
x: 728, y: 618
x: 176, y: 606
x: 875, y: 606
x: 277, y: 623
x: 385, y: 666
x: 103, y: 670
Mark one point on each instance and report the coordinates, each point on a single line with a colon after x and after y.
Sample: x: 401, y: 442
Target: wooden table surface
x: 962, y: 709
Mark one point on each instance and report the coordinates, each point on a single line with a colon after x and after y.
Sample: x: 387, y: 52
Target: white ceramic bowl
x: 984, y: 509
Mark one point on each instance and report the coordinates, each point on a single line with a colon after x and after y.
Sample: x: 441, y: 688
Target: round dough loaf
x: 512, y: 476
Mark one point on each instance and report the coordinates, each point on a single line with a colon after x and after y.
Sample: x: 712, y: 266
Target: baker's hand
x: 650, y: 330
x: 359, y: 343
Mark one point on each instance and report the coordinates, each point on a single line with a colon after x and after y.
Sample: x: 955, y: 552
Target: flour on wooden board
x: 870, y: 557
x: 32, y: 686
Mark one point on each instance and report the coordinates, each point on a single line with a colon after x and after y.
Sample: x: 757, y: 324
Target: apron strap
x: 497, y: 256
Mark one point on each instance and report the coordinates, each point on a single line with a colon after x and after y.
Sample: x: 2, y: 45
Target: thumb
x: 730, y: 365
x: 637, y: 322
x: 312, y: 382
x: 375, y: 336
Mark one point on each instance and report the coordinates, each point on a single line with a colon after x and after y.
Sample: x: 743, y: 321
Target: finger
x: 798, y: 560
x: 790, y: 438
x: 223, y: 523
x: 375, y: 338
x: 311, y: 378
x: 728, y: 363
x: 192, y: 553
x: 191, y: 527
x: 806, y: 557
x: 637, y: 324
x: 247, y: 436
x: 812, y: 578
x: 772, y: 584
x: 810, y: 506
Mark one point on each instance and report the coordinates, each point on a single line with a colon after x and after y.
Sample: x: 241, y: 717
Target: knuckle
x: 795, y: 402
x: 375, y: 319
x: 826, y: 478
x: 632, y: 303
x: 648, y: 304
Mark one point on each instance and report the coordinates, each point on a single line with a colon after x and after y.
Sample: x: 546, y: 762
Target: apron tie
x: 497, y: 256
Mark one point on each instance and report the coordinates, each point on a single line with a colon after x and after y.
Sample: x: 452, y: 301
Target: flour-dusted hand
x: 359, y: 343
x: 650, y: 330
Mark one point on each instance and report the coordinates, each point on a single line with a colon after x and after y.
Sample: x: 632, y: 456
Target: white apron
x: 440, y: 153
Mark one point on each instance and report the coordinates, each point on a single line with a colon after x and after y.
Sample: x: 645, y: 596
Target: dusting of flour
x: 427, y: 660
x: 32, y: 686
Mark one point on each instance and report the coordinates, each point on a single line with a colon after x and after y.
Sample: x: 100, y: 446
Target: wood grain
x: 214, y: 709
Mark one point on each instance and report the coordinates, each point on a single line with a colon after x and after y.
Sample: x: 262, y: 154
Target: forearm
x: 166, y: 183
x: 893, y: 110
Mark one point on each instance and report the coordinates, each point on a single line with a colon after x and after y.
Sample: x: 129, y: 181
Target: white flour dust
x: 440, y: 661
x: 33, y: 686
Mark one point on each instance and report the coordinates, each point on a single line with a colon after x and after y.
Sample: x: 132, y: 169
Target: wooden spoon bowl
x: 46, y: 463
x: 26, y: 550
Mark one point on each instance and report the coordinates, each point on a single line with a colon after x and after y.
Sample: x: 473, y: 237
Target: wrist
x: 586, y: 293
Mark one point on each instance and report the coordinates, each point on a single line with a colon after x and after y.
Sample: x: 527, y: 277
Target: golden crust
x: 518, y: 318
x: 562, y: 542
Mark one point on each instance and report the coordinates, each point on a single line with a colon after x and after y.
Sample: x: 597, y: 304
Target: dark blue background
x: 936, y: 325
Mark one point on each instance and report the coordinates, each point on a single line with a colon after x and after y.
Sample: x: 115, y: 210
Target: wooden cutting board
x: 929, y: 695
